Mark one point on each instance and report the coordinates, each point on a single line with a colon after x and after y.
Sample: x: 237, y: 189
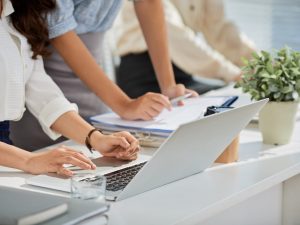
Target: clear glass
x: 88, y: 186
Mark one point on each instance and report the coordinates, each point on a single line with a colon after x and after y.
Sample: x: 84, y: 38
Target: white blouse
x: 24, y: 80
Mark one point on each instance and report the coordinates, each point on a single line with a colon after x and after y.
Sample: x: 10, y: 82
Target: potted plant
x: 277, y: 77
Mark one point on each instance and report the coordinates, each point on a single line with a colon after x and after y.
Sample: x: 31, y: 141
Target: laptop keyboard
x: 118, y: 180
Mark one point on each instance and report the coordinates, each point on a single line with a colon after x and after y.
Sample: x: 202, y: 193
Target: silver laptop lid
x: 191, y: 148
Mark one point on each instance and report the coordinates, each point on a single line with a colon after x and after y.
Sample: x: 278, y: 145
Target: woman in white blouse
x: 23, y: 40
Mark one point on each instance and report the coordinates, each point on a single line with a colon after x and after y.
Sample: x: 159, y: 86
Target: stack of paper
x: 156, y: 130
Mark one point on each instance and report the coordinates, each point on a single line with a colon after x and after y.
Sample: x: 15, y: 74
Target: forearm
x: 223, y: 35
x: 14, y: 157
x: 121, y: 145
x: 72, y: 126
x: 231, y: 43
x: 77, y: 56
x: 196, y: 57
x: 151, y: 17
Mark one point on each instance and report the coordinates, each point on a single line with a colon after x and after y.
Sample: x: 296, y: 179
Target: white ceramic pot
x: 276, y: 122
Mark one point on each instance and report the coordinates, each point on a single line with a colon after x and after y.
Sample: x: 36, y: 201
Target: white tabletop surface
x: 200, y: 196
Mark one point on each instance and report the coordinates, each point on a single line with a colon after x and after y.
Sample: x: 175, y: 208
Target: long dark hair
x: 1, y: 8
x: 29, y: 19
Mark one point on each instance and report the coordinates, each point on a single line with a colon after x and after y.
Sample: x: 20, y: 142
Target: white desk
x: 260, y: 189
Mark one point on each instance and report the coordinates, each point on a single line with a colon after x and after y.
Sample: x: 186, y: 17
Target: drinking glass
x: 88, y: 186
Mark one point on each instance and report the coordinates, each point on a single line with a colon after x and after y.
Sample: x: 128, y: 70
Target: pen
x: 174, y: 101
x: 230, y: 101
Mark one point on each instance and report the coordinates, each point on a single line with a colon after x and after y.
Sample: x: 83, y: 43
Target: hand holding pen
x: 177, y: 100
x: 178, y: 93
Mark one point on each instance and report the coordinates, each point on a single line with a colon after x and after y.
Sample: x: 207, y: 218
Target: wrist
x: 122, y: 107
x: 166, y: 90
x: 125, y: 109
x: 27, y: 162
x: 166, y: 81
x: 175, y: 91
x: 95, y: 139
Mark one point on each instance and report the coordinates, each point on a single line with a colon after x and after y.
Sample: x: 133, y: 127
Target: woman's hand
x: 146, y: 107
x: 151, y: 105
x: 238, y: 77
x: 121, y: 145
x: 54, y: 160
x: 178, y: 90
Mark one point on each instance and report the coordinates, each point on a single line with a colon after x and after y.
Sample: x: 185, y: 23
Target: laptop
x: 190, y: 149
x: 20, y: 206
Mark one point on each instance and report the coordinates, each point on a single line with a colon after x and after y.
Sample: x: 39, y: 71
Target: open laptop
x: 190, y: 149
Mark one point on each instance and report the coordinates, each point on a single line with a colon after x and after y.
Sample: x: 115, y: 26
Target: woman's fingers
x: 152, y: 112
x: 134, y: 143
x: 120, y: 152
x: 127, y: 136
x: 121, y: 141
x: 119, y: 145
x: 145, y: 116
x: 69, y: 159
x: 80, y: 156
x: 162, y: 100
x: 194, y: 93
x: 157, y: 107
x: 175, y: 91
x: 150, y: 105
x: 64, y: 171
x: 124, y: 155
x: 64, y: 155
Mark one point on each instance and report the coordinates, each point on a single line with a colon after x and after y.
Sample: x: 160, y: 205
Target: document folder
x: 153, y: 133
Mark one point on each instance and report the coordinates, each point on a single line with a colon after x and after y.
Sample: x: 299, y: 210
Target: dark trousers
x: 136, y: 76
x: 4, y: 132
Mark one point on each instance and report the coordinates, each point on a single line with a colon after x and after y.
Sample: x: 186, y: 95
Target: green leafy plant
x: 276, y: 76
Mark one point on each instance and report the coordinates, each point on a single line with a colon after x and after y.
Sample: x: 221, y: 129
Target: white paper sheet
x: 167, y: 121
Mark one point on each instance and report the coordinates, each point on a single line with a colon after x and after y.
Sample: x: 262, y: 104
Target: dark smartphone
x: 215, y: 109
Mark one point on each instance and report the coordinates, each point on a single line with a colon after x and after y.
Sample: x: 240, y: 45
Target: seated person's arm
x: 58, y: 116
x: 43, y: 162
x: 121, y: 145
